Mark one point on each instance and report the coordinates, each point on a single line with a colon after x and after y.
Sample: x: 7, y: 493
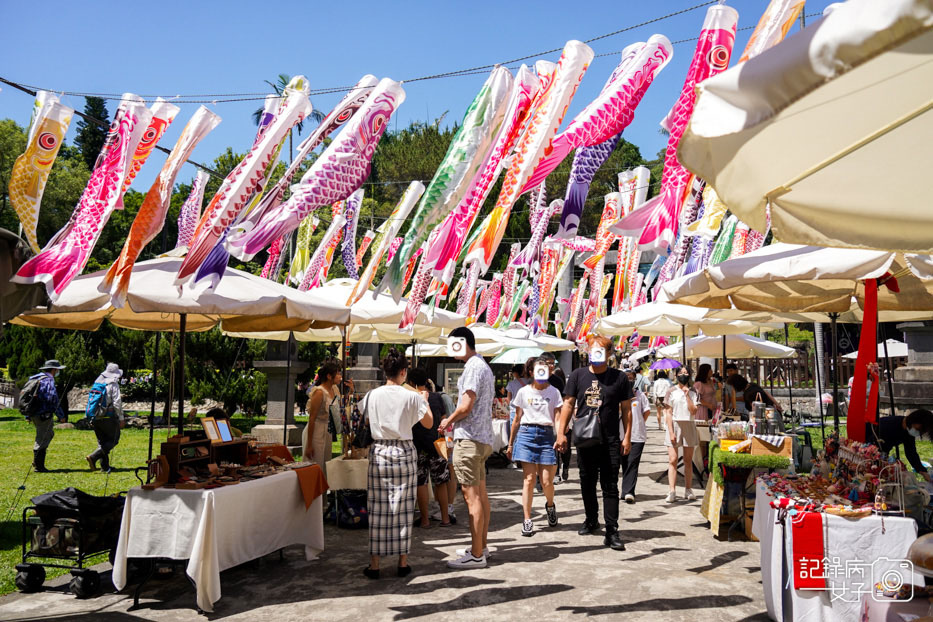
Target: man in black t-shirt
x: 607, y: 392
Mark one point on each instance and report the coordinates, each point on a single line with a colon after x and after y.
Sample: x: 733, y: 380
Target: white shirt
x: 537, y: 406
x: 477, y: 377
x: 677, y: 400
x: 660, y: 388
x: 392, y: 410
x: 640, y: 406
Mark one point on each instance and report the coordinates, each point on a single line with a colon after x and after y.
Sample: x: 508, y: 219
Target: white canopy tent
x: 829, y: 128
x: 895, y: 349
x: 736, y: 347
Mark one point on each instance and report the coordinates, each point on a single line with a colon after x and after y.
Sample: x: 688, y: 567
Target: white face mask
x: 456, y: 346
x: 914, y: 432
x: 597, y: 355
x: 542, y: 373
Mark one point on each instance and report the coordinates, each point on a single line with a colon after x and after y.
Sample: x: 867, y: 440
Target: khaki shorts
x: 685, y: 435
x: 470, y: 461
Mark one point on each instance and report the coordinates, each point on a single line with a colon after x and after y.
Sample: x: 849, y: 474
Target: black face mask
x: 684, y: 379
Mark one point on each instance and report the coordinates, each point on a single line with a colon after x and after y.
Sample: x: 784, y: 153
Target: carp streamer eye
x: 719, y: 57
x: 48, y: 141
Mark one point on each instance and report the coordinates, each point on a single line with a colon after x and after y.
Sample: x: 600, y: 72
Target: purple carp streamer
x: 312, y: 277
x: 65, y: 256
x: 348, y: 248
x: 47, y: 129
x: 340, y: 170
x: 237, y: 188
x: 190, y: 211
x: 461, y: 164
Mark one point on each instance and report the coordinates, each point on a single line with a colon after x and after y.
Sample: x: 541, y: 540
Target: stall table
x: 216, y: 529
x: 869, y: 542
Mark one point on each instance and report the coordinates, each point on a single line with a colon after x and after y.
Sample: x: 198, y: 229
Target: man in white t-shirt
x: 641, y: 410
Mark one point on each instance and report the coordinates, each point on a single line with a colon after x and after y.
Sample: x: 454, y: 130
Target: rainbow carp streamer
x: 656, y: 224
x: 333, y: 176
x: 47, y: 128
x: 387, y: 233
x: 313, y: 274
x: 596, y: 131
x: 442, y: 257
x: 151, y: 216
x: 238, y: 187
x: 348, y: 248
x: 533, y: 146
x: 65, y: 256
x: 190, y: 212
x: 461, y: 164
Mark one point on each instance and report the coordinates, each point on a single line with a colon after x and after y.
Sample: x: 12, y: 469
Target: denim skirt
x: 534, y: 444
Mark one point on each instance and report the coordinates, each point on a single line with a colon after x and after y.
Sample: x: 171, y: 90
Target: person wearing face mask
x: 532, y: 441
x: 39, y: 402
x: 895, y: 430
x: 606, y: 393
x: 680, y: 407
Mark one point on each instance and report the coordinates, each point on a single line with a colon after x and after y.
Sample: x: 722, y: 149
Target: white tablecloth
x: 500, y: 434
x: 854, y: 540
x: 347, y: 474
x: 217, y: 529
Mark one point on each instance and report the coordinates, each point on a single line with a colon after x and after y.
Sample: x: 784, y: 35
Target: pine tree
x: 91, y: 136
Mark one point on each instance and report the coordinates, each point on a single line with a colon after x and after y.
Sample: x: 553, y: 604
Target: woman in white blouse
x: 392, y: 479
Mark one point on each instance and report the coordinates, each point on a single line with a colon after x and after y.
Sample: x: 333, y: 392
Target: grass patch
x: 67, y: 468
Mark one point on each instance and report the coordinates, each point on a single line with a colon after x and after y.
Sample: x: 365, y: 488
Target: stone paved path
x: 673, y: 569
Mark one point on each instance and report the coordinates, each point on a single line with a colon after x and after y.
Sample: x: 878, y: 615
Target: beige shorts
x: 470, y: 461
x: 685, y: 435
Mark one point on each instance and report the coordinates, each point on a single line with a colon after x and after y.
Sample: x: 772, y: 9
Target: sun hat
x: 112, y: 371
x: 52, y: 364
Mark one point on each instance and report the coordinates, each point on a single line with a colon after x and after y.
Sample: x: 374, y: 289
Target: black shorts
x: 433, y: 465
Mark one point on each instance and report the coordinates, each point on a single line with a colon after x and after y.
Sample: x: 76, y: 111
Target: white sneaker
x: 463, y: 552
x: 450, y: 512
x: 688, y: 495
x: 435, y: 511
x: 465, y: 562
x: 528, y: 528
x: 671, y: 497
x: 630, y: 498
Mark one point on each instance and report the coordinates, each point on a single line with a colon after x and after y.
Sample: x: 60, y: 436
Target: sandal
x: 370, y: 573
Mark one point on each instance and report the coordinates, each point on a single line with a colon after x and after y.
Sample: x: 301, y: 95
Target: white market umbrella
x: 895, y: 349
x: 517, y: 356
x: 440, y: 349
x: 737, y: 347
x: 544, y: 341
x: 665, y: 319
x: 831, y: 128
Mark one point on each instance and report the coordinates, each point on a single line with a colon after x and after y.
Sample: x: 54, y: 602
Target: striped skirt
x: 392, y: 482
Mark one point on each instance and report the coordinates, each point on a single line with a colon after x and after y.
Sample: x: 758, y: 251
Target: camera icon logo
x: 889, y: 576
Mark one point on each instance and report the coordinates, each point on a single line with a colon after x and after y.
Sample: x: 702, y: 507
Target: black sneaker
x: 587, y: 529
x: 551, y: 515
x: 614, y: 542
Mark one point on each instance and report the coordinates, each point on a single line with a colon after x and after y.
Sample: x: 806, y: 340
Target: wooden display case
x: 175, y: 455
x: 235, y: 452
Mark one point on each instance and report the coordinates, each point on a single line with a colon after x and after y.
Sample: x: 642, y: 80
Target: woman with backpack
x: 105, y: 410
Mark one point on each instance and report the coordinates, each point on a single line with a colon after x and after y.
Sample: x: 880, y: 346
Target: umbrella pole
x: 289, y: 390
x: 835, y: 367
x: 723, y: 372
x: 155, y: 376
x: 819, y: 383
x: 887, y: 366
x: 683, y: 348
x: 182, y: 327
x: 790, y: 378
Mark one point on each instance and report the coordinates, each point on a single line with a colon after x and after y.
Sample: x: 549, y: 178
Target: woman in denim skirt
x: 532, y: 438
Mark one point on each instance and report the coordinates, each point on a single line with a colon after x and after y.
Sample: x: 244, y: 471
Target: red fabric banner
x: 862, y: 410
x: 808, y: 551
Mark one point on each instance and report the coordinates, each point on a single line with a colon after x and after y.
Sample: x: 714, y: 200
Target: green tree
x: 91, y: 136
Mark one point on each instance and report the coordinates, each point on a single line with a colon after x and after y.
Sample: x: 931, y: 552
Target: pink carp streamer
x: 577, y: 244
x: 656, y: 224
x: 65, y: 256
x: 603, y: 121
x: 190, y: 211
x: 151, y: 215
x: 302, y: 257
x: 509, y: 282
x: 337, y: 209
x: 237, y: 188
x: 47, y: 128
x: 333, y: 176
x: 368, y: 238
x: 562, y: 259
x: 495, y: 298
x: 461, y: 164
x: 468, y: 292
x: 387, y: 232
x: 163, y: 113
x: 454, y: 228
x: 275, y: 251
x: 393, y: 248
x: 312, y: 276
x: 419, y: 288
x: 540, y: 215
x: 533, y: 146
x: 633, y: 186
x: 348, y: 248
x: 604, y: 237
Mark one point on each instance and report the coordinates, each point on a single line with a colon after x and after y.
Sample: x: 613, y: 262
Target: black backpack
x: 29, y: 402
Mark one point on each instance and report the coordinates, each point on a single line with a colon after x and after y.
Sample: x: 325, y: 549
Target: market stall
x: 218, y: 528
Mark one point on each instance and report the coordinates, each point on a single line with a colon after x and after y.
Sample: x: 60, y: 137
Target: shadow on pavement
x: 661, y: 604
x: 479, y: 598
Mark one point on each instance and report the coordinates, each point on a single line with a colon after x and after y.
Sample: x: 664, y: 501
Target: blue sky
x: 176, y: 47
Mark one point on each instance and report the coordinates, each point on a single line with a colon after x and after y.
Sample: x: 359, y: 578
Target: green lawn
x: 67, y: 468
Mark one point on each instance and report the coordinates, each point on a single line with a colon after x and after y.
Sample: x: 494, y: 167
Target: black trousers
x: 629, y: 466
x: 600, y: 463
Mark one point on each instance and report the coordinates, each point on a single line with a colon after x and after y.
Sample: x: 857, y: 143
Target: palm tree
x: 279, y: 87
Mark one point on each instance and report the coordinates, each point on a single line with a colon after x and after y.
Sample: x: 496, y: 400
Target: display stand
x: 177, y: 455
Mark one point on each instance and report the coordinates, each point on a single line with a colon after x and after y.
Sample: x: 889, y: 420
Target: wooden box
x: 761, y: 448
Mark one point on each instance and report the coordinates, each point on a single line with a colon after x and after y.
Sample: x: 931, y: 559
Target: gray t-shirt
x: 477, y: 377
